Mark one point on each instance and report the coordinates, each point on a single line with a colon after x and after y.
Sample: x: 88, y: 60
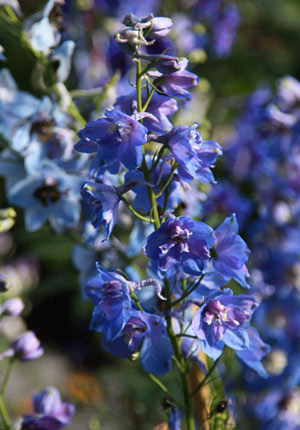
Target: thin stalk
x: 3, y: 410
x: 202, y: 383
x: 147, y: 177
x: 188, y: 292
x: 4, y: 414
x: 6, y: 376
x: 165, y: 390
x: 188, y: 399
x: 136, y: 300
x: 174, y: 167
x: 141, y: 217
x: 148, y: 99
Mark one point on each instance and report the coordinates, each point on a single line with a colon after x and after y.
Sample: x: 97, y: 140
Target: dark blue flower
x: 179, y: 243
x: 230, y: 252
x: 145, y: 333
x: 223, y: 319
x: 110, y: 295
x: 117, y: 137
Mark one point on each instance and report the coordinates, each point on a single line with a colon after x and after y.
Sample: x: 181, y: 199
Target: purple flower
x: 179, y: 243
x: 223, y: 319
x: 26, y: 347
x: 230, y: 252
x: 194, y: 155
x: 12, y: 307
x: 156, y: 116
x: 160, y: 27
x: 178, y: 83
x: 166, y: 64
x: 116, y: 137
x: 50, y: 412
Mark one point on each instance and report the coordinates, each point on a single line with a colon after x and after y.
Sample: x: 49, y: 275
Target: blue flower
x: 145, y: 333
x: 176, y: 84
x: 223, y: 319
x: 179, y: 244
x: 230, y: 252
x: 105, y: 201
x: 194, y: 155
x: 50, y: 412
x: 110, y: 295
x: 48, y: 194
x: 155, y: 119
x: 116, y: 137
x: 256, y: 351
x: 175, y: 418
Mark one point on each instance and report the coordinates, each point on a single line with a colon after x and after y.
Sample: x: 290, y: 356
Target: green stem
x: 139, y: 85
x: 165, y: 390
x: 3, y: 410
x: 188, y: 292
x: 4, y: 414
x: 134, y: 297
x: 202, y: 383
x: 6, y: 376
x: 141, y: 217
x: 148, y: 99
x: 147, y: 177
x: 168, y: 181
x: 188, y: 399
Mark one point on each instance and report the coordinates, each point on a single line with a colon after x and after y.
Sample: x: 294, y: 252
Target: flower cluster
x: 141, y: 164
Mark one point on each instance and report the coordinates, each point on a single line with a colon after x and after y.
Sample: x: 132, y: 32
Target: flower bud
x: 27, y: 346
x: 160, y: 27
x: 12, y: 307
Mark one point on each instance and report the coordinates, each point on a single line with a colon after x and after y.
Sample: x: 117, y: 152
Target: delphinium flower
x: 194, y: 155
x: 223, y: 319
x: 118, y: 137
x: 180, y: 243
x: 230, y: 252
x: 155, y: 119
x: 48, y: 194
x: 104, y: 199
x: 26, y: 347
x: 12, y: 307
x: 50, y: 413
